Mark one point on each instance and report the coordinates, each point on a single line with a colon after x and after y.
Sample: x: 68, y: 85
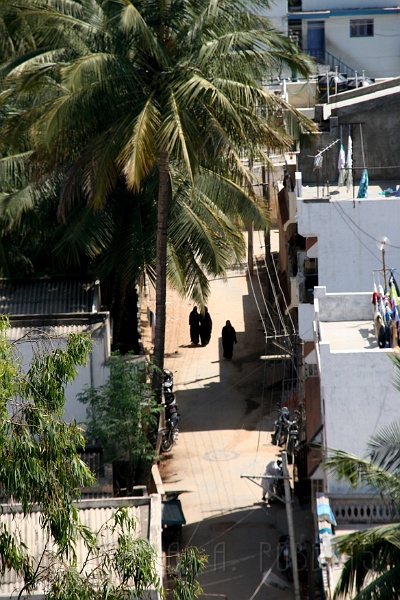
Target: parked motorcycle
x: 172, y: 417
x: 168, y: 381
x: 292, y: 440
x: 285, y: 557
x: 280, y: 433
x: 285, y: 561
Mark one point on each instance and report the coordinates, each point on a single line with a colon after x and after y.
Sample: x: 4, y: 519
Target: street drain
x: 220, y: 455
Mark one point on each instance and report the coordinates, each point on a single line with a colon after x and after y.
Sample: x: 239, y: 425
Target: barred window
x: 361, y: 28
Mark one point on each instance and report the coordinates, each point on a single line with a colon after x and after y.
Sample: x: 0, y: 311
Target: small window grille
x: 361, y: 28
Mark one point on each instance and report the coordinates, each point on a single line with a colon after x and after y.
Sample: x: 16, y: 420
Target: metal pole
x: 289, y: 516
x: 250, y: 232
x: 327, y: 86
x: 384, y: 268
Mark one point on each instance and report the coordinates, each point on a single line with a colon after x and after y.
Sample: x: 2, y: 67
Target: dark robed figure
x: 194, y: 323
x: 205, y: 327
x: 228, y: 339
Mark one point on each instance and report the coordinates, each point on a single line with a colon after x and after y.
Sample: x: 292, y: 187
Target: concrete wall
x: 278, y: 12
x: 374, y: 141
x: 377, y: 55
x: 358, y: 397
x: 347, y: 232
x: 342, y: 307
x: 94, y: 374
x: 302, y: 94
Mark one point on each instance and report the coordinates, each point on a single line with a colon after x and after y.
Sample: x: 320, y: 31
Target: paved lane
x: 227, y: 415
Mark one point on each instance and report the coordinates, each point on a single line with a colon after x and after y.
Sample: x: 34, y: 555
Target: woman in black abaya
x: 228, y: 339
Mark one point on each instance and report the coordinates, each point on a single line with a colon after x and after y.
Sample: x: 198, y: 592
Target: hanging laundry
x: 392, y: 281
x: 363, y: 189
x: 348, y: 173
x: 318, y: 160
x: 341, y: 165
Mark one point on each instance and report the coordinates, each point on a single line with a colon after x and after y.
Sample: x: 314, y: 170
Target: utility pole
x: 289, y: 516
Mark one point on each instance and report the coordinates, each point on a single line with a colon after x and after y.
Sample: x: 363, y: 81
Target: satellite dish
x: 382, y: 242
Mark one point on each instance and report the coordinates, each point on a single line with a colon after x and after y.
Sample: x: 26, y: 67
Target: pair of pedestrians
x: 201, y: 328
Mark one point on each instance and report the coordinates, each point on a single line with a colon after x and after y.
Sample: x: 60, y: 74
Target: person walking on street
x: 228, y: 339
x: 194, y: 323
x: 205, y: 327
x: 273, y: 468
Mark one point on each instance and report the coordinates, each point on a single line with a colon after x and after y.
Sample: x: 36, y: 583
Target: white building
x: 346, y: 232
x: 355, y: 35
x: 44, y: 312
x: 349, y: 392
x: 356, y: 376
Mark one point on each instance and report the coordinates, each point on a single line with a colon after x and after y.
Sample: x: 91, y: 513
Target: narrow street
x: 227, y: 411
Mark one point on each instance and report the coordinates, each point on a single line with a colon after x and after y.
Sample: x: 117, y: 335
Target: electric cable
x: 346, y: 218
x: 257, y: 304
x: 284, y: 299
x: 278, y: 309
x: 263, y: 297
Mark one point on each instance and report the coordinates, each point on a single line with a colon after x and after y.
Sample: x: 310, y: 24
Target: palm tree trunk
x: 161, y: 285
x: 118, y: 303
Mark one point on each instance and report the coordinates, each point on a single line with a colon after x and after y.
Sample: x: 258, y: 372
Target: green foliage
x: 123, y: 412
x: 124, y: 568
x: 370, y: 568
x: 185, y: 78
x: 191, y: 562
x: 40, y: 466
x: 39, y: 462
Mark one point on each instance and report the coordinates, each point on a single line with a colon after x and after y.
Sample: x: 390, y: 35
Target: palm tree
x: 371, y: 567
x: 144, y: 90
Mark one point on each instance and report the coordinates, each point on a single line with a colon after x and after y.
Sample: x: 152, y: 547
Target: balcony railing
x: 362, y: 509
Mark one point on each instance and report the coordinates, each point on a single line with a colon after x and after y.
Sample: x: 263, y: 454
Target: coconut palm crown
x: 149, y: 90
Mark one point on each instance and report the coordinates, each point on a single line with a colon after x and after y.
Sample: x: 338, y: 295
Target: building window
x: 362, y: 28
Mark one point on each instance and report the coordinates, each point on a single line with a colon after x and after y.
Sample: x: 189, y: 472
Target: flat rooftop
x: 349, y: 336
x: 332, y: 192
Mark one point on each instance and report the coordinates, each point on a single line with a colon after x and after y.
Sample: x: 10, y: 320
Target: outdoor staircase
x: 329, y: 62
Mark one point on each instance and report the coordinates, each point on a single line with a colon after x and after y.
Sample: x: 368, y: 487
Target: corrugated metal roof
x: 93, y: 514
x: 36, y: 333
x: 46, y: 296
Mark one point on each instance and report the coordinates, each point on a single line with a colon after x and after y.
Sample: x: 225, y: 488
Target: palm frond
x: 361, y: 472
x: 384, y: 447
x: 138, y: 157
x: 370, y: 571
